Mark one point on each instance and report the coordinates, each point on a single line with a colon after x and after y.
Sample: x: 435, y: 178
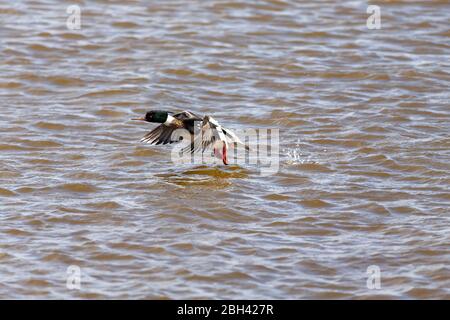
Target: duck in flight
x: 212, y: 134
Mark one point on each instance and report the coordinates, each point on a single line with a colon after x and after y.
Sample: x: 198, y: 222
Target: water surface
x: 364, y: 162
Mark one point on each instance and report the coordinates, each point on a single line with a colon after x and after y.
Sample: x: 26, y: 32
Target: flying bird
x: 212, y: 134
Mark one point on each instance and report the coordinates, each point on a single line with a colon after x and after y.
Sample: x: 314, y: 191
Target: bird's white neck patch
x: 169, y: 120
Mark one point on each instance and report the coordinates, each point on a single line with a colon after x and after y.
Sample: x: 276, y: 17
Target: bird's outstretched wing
x: 162, y: 134
x: 187, y: 115
x: 211, y: 132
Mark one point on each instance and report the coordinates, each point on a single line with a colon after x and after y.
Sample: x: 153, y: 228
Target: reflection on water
x: 364, y: 165
x: 205, y: 176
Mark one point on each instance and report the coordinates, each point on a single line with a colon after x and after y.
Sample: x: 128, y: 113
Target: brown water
x: 364, y: 162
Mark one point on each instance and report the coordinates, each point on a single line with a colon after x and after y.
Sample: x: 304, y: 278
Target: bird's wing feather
x: 149, y: 137
x: 160, y: 135
x: 202, y: 139
x: 211, y: 132
x: 185, y: 115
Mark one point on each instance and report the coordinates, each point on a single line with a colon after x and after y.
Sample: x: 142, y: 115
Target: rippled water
x: 364, y: 164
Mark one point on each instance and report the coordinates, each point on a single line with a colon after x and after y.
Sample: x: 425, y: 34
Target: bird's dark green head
x: 158, y: 116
